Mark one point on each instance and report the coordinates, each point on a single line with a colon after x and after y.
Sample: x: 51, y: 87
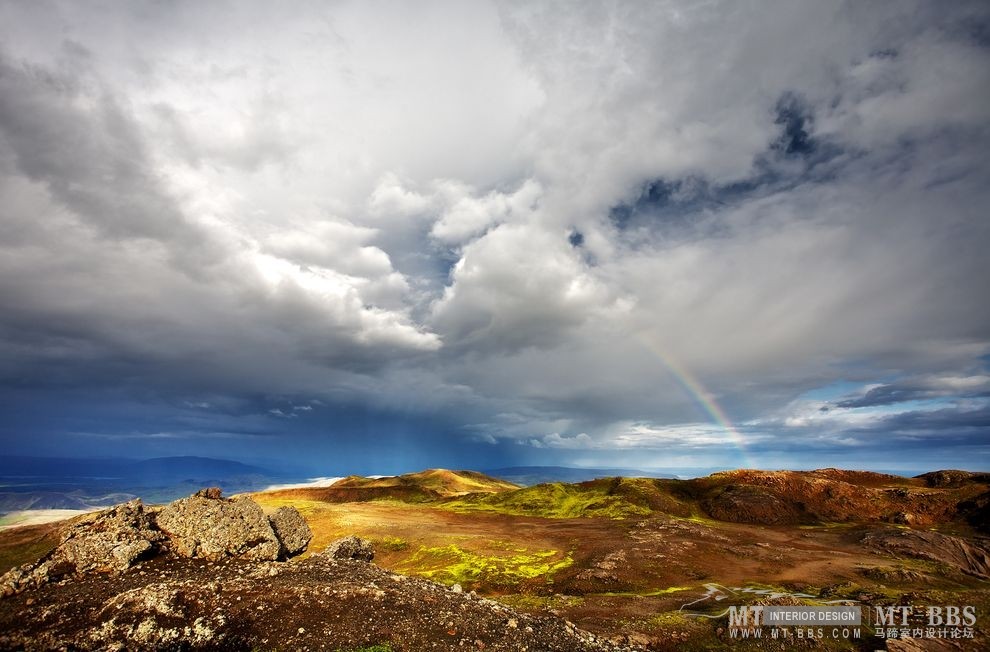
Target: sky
x: 383, y: 236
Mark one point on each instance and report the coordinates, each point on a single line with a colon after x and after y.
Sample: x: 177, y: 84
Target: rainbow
x: 703, y: 399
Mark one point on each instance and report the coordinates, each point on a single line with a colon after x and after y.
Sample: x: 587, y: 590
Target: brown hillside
x: 442, y: 481
x: 831, y: 495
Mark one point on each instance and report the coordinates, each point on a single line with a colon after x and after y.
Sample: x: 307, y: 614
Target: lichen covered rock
x: 112, y: 540
x: 350, y: 547
x: 214, y: 528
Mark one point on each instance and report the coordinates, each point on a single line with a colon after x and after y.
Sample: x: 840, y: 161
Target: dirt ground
x: 638, y: 575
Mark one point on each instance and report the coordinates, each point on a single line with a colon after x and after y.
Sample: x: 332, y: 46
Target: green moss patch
x: 553, y: 500
x: 649, y: 593
x: 393, y: 544
x: 452, y: 564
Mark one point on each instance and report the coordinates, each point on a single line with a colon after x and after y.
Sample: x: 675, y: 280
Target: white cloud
x: 333, y: 245
x: 466, y: 216
x: 411, y: 206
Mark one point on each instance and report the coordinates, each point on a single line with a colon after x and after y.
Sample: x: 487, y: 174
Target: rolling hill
x: 425, y: 486
x: 744, y: 496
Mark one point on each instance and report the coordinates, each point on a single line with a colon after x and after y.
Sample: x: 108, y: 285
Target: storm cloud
x: 640, y: 234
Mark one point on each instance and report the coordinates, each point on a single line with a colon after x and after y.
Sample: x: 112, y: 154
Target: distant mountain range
x: 77, y: 483
x: 149, y: 471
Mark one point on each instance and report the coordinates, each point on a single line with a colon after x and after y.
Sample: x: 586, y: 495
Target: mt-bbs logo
x: 934, y: 616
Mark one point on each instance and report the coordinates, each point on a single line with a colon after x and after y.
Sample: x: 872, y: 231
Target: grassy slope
x: 23, y: 545
x: 442, y: 481
x: 423, y: 487
x: 606, y: 498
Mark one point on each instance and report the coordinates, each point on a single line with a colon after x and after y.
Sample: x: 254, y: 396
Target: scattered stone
x: 350, y: 547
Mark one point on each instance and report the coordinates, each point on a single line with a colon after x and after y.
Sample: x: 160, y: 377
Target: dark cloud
x: 796, y: 123
x: 66, y: 130
x: 945, y: 427
x: 563, y: 236
x: 920, y: 389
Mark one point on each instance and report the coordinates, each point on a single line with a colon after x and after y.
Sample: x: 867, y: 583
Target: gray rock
x: 350, y: 548
x: 111, y: 540
x: 291, y: 529
x: 114, y: 540
x: 214, y: 528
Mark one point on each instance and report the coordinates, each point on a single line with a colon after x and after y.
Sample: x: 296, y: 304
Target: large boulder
x: 214, y: 528
x: 350, y: 547
x: 112, y: 540
x: 291, y: 529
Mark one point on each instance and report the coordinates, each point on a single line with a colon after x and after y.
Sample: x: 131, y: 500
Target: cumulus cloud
x: 465, y: 216
x: 576, y: 227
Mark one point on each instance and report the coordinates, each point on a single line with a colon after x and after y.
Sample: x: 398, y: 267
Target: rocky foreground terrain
x: 211, y: 573
x: 467, y: 562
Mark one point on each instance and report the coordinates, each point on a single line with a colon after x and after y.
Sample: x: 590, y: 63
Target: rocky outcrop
x: 204, y: 525
x: 318, y: 603
x: 210, y: 492
x: 291, y: 530
x: 350, y: 548
x: 966, y: 556
x: 213, y: 528
x: 111, y: 540
x: 952, y: 478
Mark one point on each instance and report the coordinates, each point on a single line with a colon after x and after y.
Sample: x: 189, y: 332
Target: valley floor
x: 648, y: 579
x: 24, y: 517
